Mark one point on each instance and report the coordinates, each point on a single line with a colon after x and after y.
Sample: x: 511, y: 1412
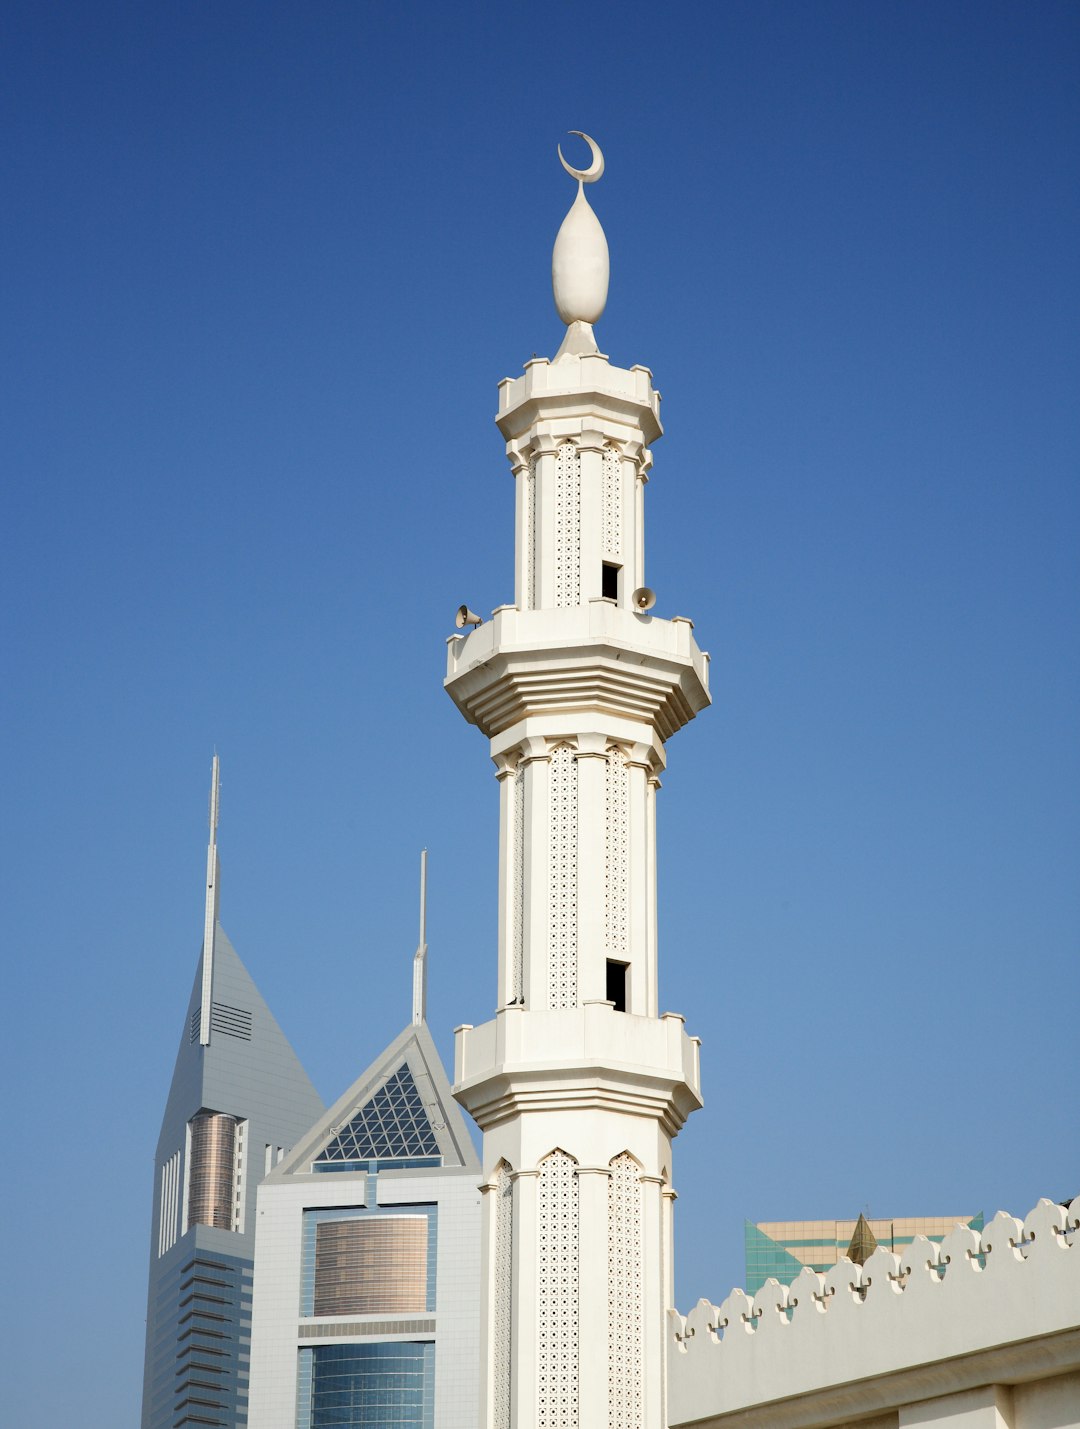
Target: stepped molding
x: 595, y: 658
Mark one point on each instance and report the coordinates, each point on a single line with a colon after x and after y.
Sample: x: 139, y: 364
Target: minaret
x: 579, y: 1083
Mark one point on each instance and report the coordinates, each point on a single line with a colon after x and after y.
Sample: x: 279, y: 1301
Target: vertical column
x: 644, y: 996
x: 642, y: 467
x: 591, y: 761
x: 502, y: 1277
x: 626, y: 456
x: 567, y: 572
x: 591, y: 447
x: 544, y: 449
x: 614, y: 522
x: 535, y: 791
x: 594, y: 1290
x: 654, y: 1292
x: 489, y: 1383
x: 564, y: 846
x: 521, y: 467
x: 506, y: 774
x: 652, y: 785
x: 667, y: 1262
x: 558, y: 1285
x: 523, y: 1329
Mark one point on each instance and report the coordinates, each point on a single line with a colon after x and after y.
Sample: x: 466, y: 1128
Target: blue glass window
x: 370, y: 1386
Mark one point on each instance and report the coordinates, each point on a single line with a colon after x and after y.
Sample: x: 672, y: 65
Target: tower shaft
x: 578, y: 1083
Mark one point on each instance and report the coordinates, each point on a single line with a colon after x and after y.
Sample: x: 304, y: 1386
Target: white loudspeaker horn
x: 643, y: 599
x: 465, y: 616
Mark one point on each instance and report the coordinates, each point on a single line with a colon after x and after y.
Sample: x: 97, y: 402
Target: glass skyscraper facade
x: 368, y: 1386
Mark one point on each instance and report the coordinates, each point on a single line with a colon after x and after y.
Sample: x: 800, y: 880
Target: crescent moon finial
x: 595, y: 169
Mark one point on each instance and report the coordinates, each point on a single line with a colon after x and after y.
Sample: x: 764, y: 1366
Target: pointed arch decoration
x: 558, y: 1270
x: 502, y: 1322
x: 625, y: 1294
x: 563, y: 890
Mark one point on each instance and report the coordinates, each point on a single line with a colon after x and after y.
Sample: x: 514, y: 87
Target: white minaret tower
x: 579, y: 1083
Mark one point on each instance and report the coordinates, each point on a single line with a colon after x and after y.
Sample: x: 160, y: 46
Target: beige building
x: 780, y: 1249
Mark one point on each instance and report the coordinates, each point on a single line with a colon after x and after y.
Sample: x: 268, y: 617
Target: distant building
x: 781, y: 1249
x: 367, y: 1269
x: 239, y: 1099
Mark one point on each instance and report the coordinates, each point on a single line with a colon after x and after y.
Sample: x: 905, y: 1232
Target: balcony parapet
x: 527, y: 662
x: 586, y: 1057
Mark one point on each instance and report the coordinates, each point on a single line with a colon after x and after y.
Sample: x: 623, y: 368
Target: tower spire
x: 211, y: 915
x: 419, y: 974
x: 580, y: 267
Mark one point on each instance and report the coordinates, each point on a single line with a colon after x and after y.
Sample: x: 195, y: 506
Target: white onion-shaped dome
x: 580, y: 268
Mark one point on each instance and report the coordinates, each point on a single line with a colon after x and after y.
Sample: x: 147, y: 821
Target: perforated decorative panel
x: 567, y: 526
x: 612, y: 520
x: 617, y: 857
x: 563, y: 906
x: 624, y: 1295
x: 557, y: 1293
x: 503, y: 1297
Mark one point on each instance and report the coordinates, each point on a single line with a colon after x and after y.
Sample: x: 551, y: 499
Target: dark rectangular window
x: 609, y: 581
x: 616, y: 984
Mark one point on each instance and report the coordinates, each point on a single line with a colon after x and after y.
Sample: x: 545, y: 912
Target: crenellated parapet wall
x: 983, y: 1315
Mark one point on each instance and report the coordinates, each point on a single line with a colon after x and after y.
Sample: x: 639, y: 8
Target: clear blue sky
x: 263, y: 266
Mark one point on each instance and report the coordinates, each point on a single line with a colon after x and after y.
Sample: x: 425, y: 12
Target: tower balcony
x: 581, y: 1058
x: 582, y: 658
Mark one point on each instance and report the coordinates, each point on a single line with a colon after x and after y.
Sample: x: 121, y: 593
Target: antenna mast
x: 210, y: 921
x: 419, y: 972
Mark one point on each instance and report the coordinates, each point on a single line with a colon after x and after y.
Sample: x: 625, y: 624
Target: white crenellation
x: 557, y: 1293
x: 624, y: 1294
x: 567, y: 526
x: 1011, y: 1282
x: 502, y: 1326
x: 617, y: 856
x: 563, y: 990
x: 612, y: 510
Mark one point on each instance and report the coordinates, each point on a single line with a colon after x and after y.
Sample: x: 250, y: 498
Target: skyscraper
x: 238, y: 1101
x: 580, y: 1083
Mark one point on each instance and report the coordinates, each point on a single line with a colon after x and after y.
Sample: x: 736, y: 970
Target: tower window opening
x: 609, y: 581
x: 616, y: 984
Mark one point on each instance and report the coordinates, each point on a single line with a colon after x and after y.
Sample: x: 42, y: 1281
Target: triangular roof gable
x: 362, y: 1111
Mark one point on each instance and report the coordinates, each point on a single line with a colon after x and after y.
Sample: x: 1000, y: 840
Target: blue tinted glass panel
x: 373, y: 1386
